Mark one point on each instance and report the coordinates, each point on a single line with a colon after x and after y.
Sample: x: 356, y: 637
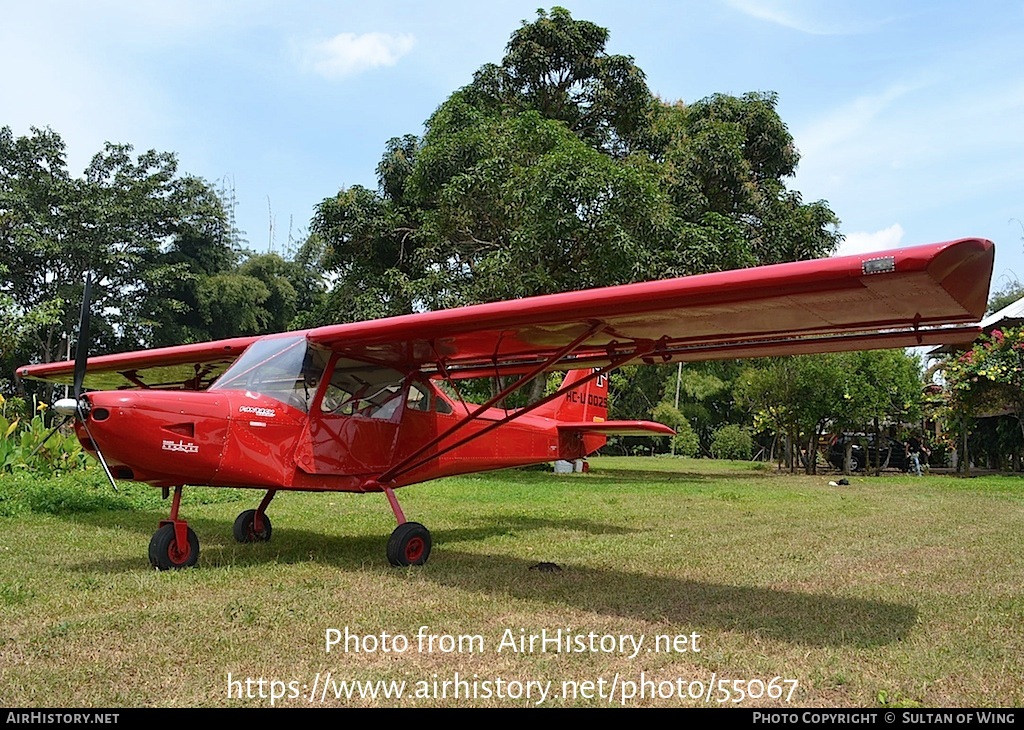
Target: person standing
x: 913, y: 449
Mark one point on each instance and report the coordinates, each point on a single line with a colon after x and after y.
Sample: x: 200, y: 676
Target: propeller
x: 79, y: 405
x: 82, y: 348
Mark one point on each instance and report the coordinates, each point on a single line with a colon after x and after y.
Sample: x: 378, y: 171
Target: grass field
x: 893, y: 591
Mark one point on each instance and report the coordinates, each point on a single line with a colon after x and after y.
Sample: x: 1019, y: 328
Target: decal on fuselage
x: 590, y: 399
x: 258, y: 411
x: 181, y: 446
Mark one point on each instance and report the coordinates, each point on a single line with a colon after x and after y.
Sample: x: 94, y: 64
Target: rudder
x: 585, y: 403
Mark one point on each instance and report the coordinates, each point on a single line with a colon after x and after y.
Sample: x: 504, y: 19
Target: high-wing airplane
x: 374, y: 406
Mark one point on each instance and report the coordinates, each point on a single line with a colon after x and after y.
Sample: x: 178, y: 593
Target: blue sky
x: 908, y: 115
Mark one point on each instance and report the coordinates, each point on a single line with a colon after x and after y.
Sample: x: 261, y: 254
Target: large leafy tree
x: 167, y: 264
x: 557, y: 169
x: 116, y: 221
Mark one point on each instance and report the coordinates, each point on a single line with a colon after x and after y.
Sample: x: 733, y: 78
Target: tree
x: 883, y: 386
x: 796, y: 397
x: 988, y: 379
x: 685, y: 442
x: 15, y: 323
x: 1006, y: 296
x: 557, y: 169
x: 558, y: 67
x: 167, y: 264
x: 121, y: 220
x: 802, y: 397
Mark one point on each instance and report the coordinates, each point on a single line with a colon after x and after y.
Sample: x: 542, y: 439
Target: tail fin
x: 585, y: 403
x: 582, y: 416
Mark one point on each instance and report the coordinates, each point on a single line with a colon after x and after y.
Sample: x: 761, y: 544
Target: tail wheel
x: 409, y: 544
x: 245, y: 528
x: 166, y: 554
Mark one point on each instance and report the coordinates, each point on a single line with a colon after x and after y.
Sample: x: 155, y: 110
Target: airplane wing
x: 184, y: 367
x: 923, y: 295
x: 905, y: 297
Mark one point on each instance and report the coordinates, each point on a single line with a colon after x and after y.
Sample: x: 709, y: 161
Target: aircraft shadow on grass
x: 772, y: 613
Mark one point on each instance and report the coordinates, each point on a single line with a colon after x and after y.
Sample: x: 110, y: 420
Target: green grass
x: 891, y: 591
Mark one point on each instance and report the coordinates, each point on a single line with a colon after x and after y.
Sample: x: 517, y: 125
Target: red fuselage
x: 233, y: 438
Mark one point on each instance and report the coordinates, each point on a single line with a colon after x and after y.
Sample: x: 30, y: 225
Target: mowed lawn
x: 678, y: 583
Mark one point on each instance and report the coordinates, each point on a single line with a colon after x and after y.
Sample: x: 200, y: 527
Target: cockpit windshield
x: 287, y: 369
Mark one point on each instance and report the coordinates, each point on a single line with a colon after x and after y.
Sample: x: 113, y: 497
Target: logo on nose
x: 181, y: 446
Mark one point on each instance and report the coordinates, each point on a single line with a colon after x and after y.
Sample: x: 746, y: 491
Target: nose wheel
x: 168, y: 551
x: 174, y: 545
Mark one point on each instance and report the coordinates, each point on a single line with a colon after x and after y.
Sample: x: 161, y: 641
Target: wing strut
x: 401, y: 467
x: 416, y: 459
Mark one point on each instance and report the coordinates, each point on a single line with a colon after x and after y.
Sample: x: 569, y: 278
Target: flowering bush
x: 989, y: 378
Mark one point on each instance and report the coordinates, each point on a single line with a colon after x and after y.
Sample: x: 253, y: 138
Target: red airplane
x: 374, y: 406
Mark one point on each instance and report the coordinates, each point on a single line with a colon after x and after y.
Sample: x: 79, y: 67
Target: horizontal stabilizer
x: 621, y: 428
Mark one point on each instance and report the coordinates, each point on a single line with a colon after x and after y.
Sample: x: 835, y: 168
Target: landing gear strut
x: 410, y: 543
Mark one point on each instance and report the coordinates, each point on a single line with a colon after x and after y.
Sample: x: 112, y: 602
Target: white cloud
x: 857, y: 243
x: 814, y: 18
x: 858, y: 120
x: 347, y: 54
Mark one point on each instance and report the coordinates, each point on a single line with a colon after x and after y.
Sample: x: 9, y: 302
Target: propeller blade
x: 82, y: 350
x: 84, y: 418
x: 53, y: 430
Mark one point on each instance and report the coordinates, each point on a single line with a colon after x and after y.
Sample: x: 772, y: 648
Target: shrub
x: 685, y: 441
x: 27, y: 444
x: 732, y: 442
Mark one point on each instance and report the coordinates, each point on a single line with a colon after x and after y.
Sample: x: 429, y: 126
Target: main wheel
x: 245, y: 530
x: 409, y: 544
x: 166, y: 554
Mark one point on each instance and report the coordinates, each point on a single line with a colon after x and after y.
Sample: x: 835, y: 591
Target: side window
x: 384, y: 403
x: 442, y: 406
x: 418, y: 398
x: 338, y: 400
x: 421, y: 397
x: 359, y: 389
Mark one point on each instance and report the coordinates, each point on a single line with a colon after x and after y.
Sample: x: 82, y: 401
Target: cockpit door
x: 354, y: 421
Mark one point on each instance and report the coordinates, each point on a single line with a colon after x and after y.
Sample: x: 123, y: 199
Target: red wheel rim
x: 414, y: 549
x: 178, y: 557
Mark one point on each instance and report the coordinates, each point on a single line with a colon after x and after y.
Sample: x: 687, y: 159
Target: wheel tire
x: 245, y: 531
x: 164, y: 553
x: 855, y: 465
x: 409, y: 544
